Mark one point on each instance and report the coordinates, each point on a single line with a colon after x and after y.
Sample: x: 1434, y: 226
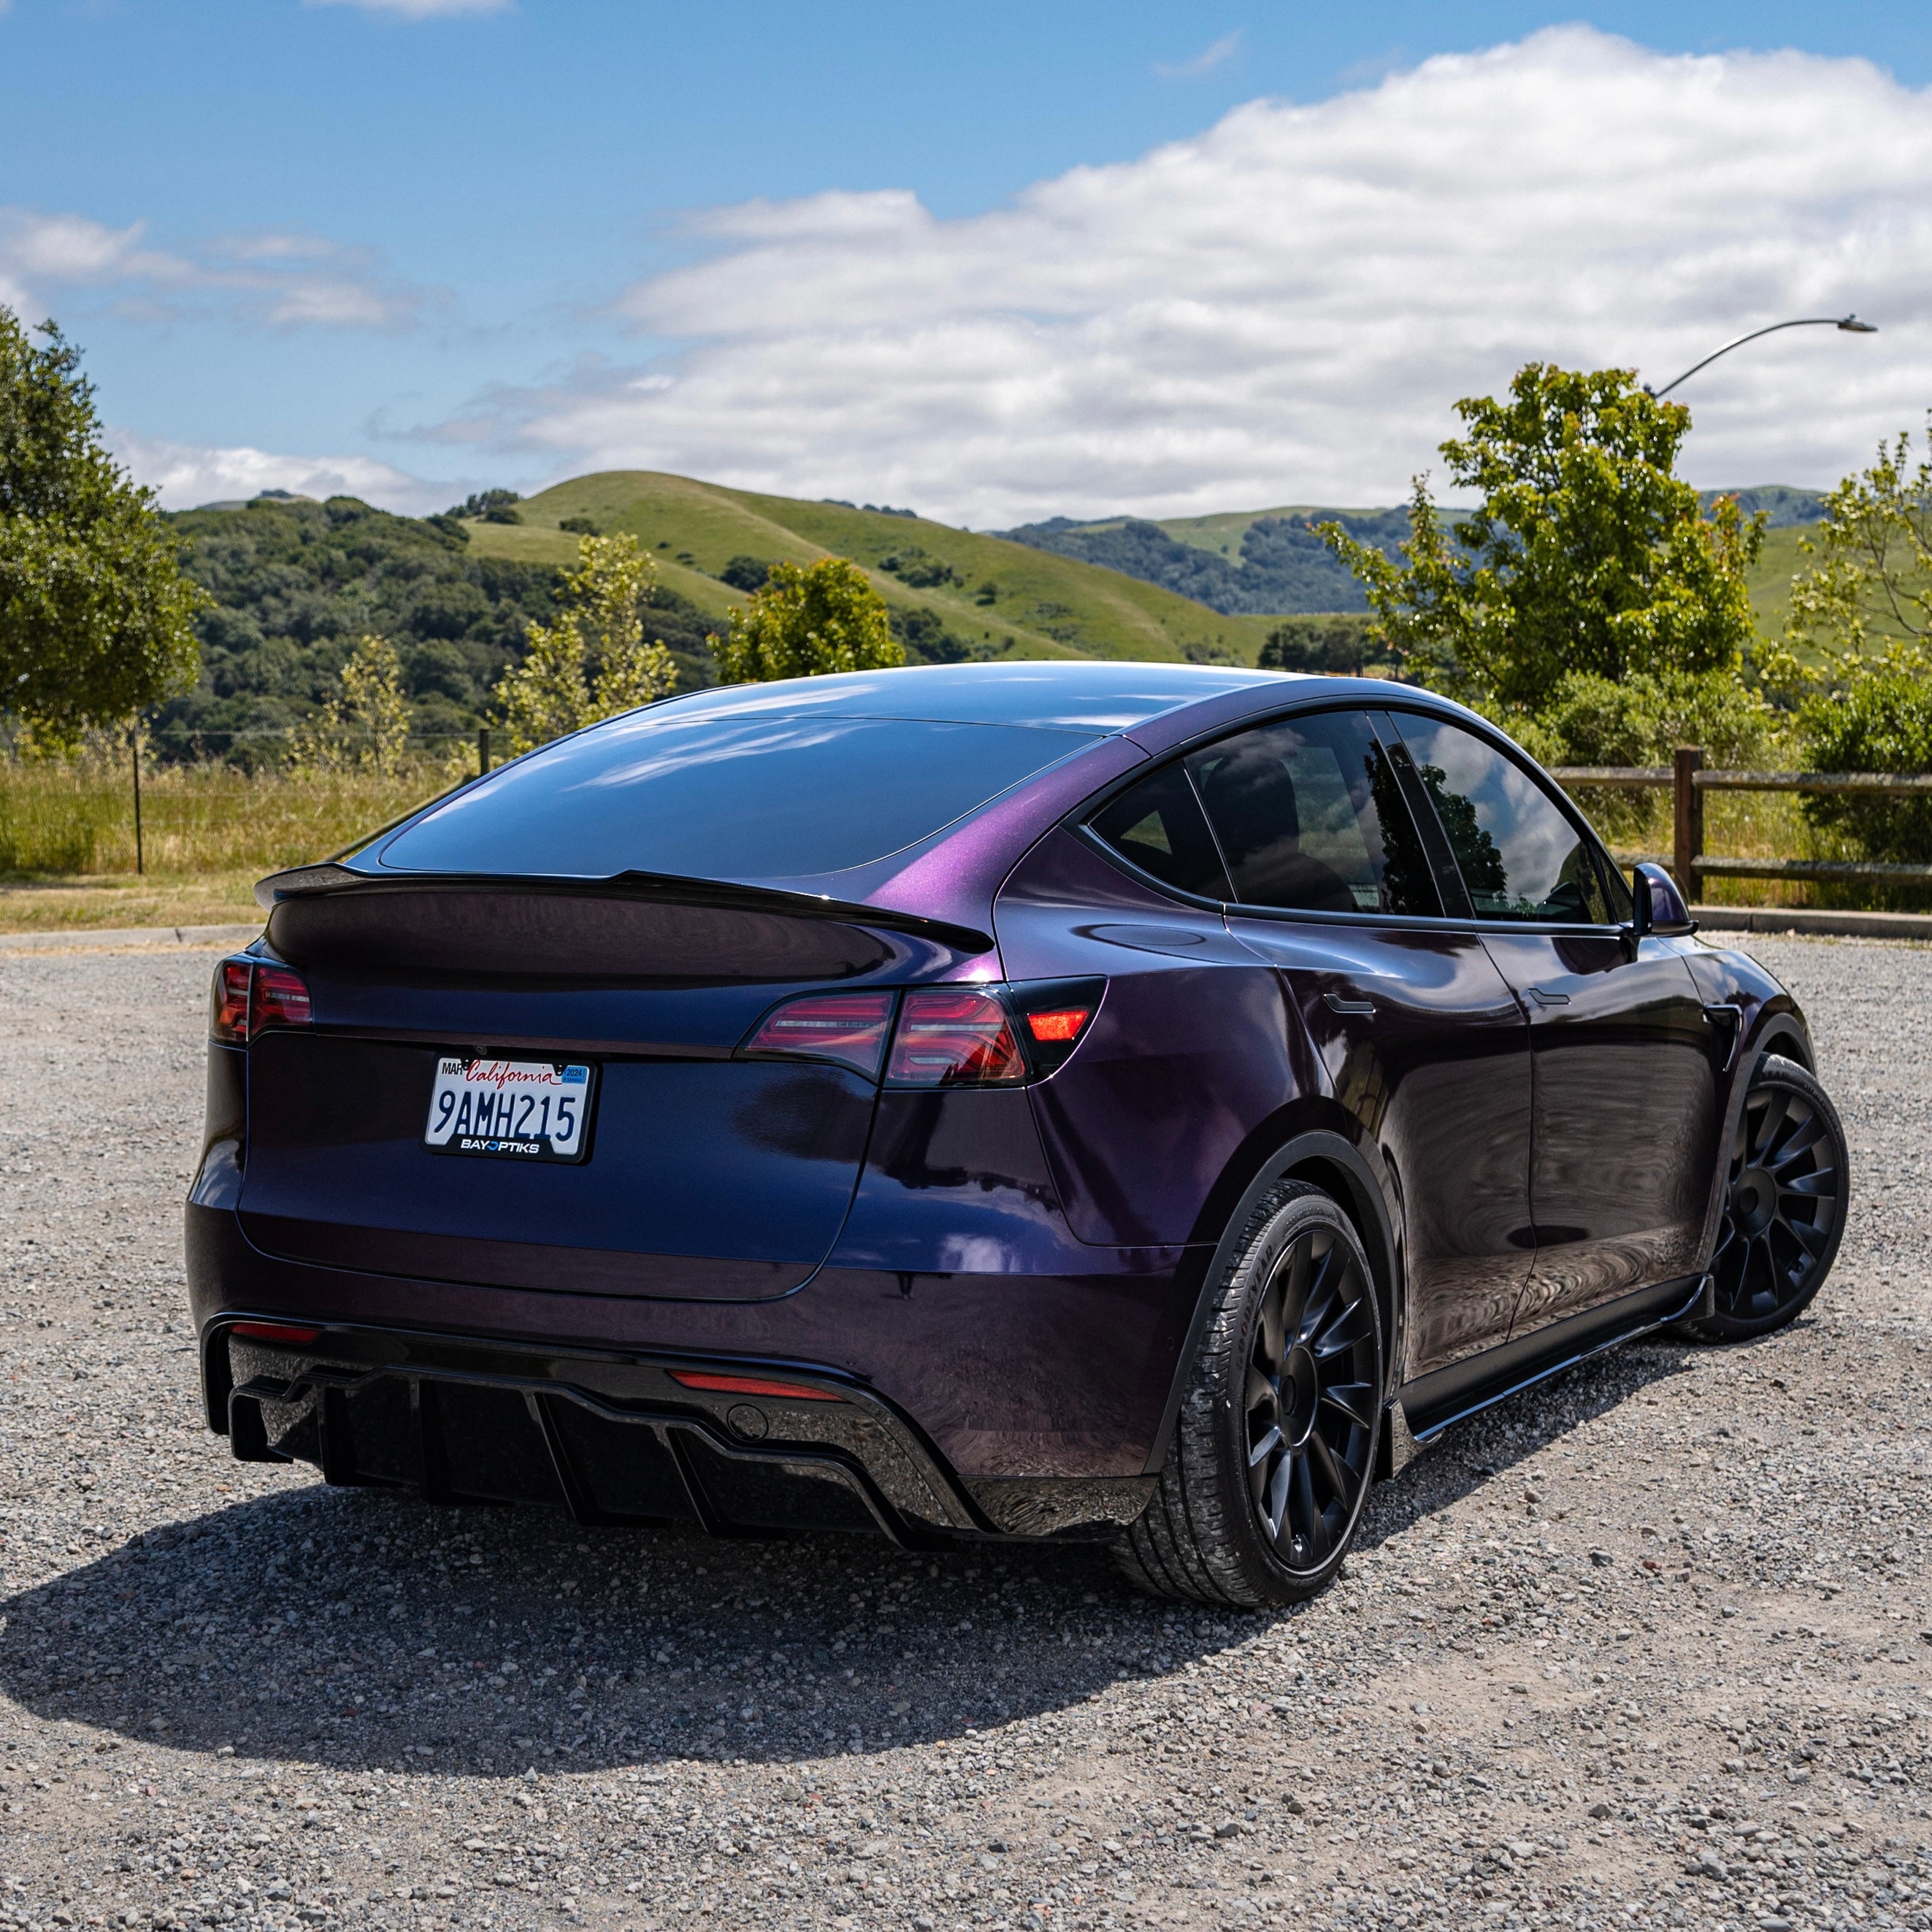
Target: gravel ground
x: 1645, y: 1647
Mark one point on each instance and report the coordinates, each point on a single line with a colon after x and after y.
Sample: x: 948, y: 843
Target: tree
x: 96, y: 619
x: 365, y: 726
x: 805, y: 622
x: 1873, y: 581
x: 1587, y: 554
x: 592, y: 662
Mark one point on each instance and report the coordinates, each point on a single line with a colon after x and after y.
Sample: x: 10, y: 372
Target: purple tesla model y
x: 1120, y: 1101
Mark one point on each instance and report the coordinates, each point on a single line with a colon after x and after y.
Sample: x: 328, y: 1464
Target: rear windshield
x: 758, y: 798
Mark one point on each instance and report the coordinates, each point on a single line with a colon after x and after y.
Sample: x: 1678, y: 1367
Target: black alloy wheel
x: 1311, y: 1398
x: 1274, y: 1448
x: 1785, y: 1197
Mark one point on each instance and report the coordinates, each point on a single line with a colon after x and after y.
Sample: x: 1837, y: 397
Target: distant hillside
x: 296, y: 582
x: 1263, y: 562
x: 953, y: 593
x: 1269, y: 562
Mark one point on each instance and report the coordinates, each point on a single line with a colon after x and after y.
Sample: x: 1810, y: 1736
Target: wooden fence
x: 1688, y: 780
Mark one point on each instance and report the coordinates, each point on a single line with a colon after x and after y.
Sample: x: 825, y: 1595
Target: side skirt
x: 1432, y: 1402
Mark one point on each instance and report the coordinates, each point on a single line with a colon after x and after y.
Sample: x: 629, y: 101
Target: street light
x: 1850, y: 324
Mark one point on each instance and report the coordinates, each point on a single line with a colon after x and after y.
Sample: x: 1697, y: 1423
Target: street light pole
x: 1849, y: 324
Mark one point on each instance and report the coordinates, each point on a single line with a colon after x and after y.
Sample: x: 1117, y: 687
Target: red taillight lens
x: 274, y: 1331
x: 1059, y: 1028
x: 228, y: 1015
x: 955, y: 1037
x: 281, y: 998
x: 695, y: 1378
x: 250, y: 995
x: 848, y: 1027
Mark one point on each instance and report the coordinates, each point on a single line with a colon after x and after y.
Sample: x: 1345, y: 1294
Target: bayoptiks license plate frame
x: 508, y: 1083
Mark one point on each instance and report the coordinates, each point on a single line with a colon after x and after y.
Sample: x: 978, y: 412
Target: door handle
x: 1544, y: 996
x: 1337, y: 1003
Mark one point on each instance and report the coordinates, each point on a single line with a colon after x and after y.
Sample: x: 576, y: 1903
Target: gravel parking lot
x: 1650, y: 1646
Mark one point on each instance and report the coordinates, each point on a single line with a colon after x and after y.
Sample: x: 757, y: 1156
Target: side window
x: 1520, y: 856
x: 1158, y: 827
x: 1309, y: 818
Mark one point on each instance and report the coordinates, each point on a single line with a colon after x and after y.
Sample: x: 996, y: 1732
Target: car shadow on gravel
x: 351, y: 1628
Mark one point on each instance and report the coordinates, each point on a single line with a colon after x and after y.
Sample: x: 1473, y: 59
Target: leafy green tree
x: 365, y: 725
x: 1587, y: 552
x: 96, y: 619
x: 1872, y: 585
x: 805, y: 622
x: 592, y: 662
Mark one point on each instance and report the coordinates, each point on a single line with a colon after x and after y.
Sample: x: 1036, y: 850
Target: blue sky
x: 435, y: 244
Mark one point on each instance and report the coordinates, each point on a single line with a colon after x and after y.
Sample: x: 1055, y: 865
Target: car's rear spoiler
x: 637, y: 925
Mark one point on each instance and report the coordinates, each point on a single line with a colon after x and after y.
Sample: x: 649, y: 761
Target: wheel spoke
x: 1765, y: 1134
x: 1349, y: 1326
x: 1314, y: 1530
x: 1356, y: 1400
x: 1275, y: 1517
x: 1342, y: 1481
x: 1822, y: 1186
x: 1266, y: 1447
x: 1807, y: 1136
x: 1321, y: 1292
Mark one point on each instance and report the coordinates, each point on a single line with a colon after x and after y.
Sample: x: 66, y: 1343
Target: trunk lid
x: 707, y: 1177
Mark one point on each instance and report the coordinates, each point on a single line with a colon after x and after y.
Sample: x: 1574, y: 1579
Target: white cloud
x: 1286, y: 307
x: 419, y: 10
x: 286, y: 279
x: 1206, y: 61
x: 187, y: 474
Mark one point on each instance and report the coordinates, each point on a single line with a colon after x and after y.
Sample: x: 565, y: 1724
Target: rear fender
x: 1326, y: 1159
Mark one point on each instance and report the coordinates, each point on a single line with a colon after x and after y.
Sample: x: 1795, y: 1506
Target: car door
x: 1625, y: 1063
x: 1424, y: 1049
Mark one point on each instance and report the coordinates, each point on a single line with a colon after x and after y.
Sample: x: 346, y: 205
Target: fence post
x: 134, y: 746
x: 1688, y: 846
x: 483, y: 751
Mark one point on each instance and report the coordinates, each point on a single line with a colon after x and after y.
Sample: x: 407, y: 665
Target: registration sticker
x: 511, y: 1109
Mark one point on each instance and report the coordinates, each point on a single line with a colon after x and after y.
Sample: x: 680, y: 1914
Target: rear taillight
x: 954, y: 1037
x: 280, y: 998
x: 250, y: 995
x: 849, y: 1028
x: 228, y: 1016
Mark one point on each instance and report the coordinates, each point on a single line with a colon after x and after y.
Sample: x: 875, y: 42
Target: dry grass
x: 67, y: 838
x: 1744, y: 825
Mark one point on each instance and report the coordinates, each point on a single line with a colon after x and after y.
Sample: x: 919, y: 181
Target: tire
x: 1275, y: 1446
x: 1786, y: 1186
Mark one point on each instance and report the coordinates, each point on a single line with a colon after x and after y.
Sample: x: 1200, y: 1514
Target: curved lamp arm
x: 1850, y: 324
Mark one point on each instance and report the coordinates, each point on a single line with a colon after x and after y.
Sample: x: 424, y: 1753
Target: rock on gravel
x: 1648, y: 1647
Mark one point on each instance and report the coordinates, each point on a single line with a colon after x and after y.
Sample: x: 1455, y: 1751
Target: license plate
x: 511, y: 1109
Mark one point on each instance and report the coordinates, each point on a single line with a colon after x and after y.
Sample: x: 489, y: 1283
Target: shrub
x: 1880, y: 721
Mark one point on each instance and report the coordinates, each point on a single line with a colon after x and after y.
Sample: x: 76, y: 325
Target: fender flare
x: 1365, y: 1206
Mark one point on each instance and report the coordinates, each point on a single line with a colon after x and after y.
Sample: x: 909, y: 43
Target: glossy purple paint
x: 1015, y: 1272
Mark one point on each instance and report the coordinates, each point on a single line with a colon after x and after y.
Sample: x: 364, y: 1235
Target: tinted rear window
x: 762, y: 798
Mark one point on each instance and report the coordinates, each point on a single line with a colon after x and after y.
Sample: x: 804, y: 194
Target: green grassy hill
x: 996, y: 599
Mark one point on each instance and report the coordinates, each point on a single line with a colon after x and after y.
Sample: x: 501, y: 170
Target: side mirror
x: 1657, y: 907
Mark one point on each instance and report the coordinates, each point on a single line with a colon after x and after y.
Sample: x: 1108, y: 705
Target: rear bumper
x: 1008, y: 1406
x: 611, y: 1437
